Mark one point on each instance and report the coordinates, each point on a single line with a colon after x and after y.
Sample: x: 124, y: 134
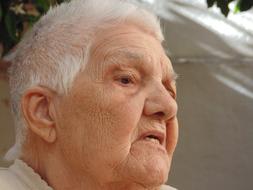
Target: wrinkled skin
x: 126, y: 89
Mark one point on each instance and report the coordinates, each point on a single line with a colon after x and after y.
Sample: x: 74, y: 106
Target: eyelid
x: 128, y: 72
x: 130, y: 76
x: 170, y: 89
x: 173, y: 94
x: 133, y: 76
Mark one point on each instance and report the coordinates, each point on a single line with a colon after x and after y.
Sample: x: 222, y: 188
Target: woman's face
x: 118, y: 123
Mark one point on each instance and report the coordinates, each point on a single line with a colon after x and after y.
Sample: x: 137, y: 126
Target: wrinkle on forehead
x: 132, y: 47
x: 118, y: 34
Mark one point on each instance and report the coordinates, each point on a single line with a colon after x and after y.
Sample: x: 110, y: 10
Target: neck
x: 60, y: 176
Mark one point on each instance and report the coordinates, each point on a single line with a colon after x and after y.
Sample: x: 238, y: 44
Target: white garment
x: 167, y: 187
x: 20, y: 176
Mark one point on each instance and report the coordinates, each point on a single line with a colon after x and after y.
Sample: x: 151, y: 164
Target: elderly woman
x: 93, y: 97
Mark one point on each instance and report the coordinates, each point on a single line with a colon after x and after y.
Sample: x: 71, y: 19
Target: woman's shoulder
x: 6, y: 179
x: 167, y: 187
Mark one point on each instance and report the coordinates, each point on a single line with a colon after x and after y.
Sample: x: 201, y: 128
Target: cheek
x: 76, y: 121
x: 126, y: 113
x: 103, y: 123
x: 82, y: 135
x: 172, y: 135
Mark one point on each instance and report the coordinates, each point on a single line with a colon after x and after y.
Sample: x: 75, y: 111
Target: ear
x: 39, y: 110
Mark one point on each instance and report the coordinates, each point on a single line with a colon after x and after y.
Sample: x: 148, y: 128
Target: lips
x: 154, y: 136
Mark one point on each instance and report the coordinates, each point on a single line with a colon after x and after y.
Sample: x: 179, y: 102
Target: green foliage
x: 244, y: 5
x: 0, y: 11
x: 17, y: 16
x: 42, y: 5
x: 241, y: 5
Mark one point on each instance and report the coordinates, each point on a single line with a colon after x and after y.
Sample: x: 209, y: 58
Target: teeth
x: 152, y: 140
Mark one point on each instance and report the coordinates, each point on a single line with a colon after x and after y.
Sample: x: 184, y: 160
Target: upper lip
x: 157, y: 134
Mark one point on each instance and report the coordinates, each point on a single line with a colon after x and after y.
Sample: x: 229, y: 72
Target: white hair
x: 57, y: 48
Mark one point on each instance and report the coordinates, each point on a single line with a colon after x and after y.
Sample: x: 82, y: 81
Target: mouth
x: 156, y: 137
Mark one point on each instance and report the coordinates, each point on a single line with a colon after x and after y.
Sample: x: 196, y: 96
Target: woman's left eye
x: 125, y: 80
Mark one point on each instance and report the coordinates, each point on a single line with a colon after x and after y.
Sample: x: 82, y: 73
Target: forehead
x: 128, y: 45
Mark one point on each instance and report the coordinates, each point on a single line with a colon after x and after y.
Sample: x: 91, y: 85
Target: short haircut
x: 57, y: 48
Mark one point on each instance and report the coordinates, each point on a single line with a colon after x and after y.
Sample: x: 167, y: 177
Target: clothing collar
x: 29, y: 176
x: 34, y: 181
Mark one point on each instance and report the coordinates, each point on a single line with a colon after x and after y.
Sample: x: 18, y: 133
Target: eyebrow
x: 127, y: 54
x: 174, y: 76
x: 131, y: 57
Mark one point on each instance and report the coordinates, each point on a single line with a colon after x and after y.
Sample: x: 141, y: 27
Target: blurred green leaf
x: 33, y: 19
x: 10, y: 23
x: 244, y: 5
x: 237, y: 9
x: 53, y: 2
x: 241, y: 5
x: 210, y: 3
x: 223, y: 5
x: 13, y: 26
x: 1, y: 13
x: 43, y: 5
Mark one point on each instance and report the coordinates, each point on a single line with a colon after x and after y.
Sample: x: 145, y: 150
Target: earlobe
x: 36, y: 106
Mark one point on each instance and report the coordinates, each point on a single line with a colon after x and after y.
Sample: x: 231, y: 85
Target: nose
x: 160, y: 104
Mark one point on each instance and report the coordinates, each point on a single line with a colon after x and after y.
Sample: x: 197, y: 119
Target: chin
x: 150, y: 170
x: 156, y: 173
